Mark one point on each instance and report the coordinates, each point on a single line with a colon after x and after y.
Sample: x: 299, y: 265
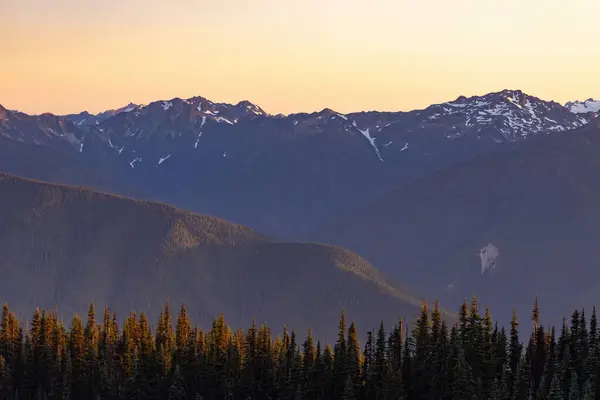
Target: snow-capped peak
x: 253, y: 108
x: 580, y: 107
x: 128, y: 108
x: 511, y: 112
x: 328, y: 113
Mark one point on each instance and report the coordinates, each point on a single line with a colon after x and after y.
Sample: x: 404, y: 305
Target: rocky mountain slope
x: 281, y: 175
x: 64, y: 246
x: 507, y: 225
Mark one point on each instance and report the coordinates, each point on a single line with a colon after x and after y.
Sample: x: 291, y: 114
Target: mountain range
x: 456, y: 199
x: 281, y: 175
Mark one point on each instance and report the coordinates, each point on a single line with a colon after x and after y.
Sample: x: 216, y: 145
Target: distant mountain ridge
x: 281, y: 175
x: 64, y: 246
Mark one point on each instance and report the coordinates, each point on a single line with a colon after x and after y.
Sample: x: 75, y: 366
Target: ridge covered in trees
x: 132, y: 255
x: 473, y: 358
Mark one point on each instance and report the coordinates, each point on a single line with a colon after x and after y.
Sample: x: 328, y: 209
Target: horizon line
x: 294, y: 113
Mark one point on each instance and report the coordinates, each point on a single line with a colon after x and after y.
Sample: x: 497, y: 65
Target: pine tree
x: 556, y: 392
x: 407, y: 365
x: 327, y: 375
x: 515, y: 350
x: 592, y: 368
x: 250, y: 361
x: 67, y: 376
x: 368, y: 368
x: 309, y: 352
x: 505, y: 388
x: 395, y: 347
x: 574, y: 393
x: 5, y: 381
x: 588, y: 391
x: 462, y: 386
x: 550, y: 365
x: 340, y: 359
x: 583, y: 345
x: 177, y: 389
x: 523, y: 388
x: 380, y: 383
x: 394, y: 357
x: 565, y: 371
x: 495, y: 392
x: 266, y: 366
x: 535, y: 317
x: 169, y: 333
x: 488, y: 357
x: 543, y: 389
x: 593, y: 329
x: 349, y: 390
x: 354, y: 358
x: 183, y: 331
x: 421, y: 362
x: 231, y: 387
x: 78, y: 363
x: 463, y: 322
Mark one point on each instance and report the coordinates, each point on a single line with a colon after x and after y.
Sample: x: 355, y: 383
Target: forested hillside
x: 473, y: 358
x: 64, y: 246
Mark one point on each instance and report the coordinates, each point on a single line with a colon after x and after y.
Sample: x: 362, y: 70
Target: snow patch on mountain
x: 254, y: 109
x: 514, y: 100
x: 132, y: 163
x: 223, y: 119
x: 167, y: 104
x: 198, y: 140
x: 129, y: 108
x: 371, y: 140
x: 488, y: 255
x: 581, y: 107
x: 163, y: 159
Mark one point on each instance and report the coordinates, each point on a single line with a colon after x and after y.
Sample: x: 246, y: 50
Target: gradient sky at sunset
x: 289, y: 55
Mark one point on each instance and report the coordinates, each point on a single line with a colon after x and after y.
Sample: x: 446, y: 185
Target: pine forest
x: 463, y: 358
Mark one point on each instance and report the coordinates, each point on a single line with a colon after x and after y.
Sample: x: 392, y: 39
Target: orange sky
x: 288, y: 56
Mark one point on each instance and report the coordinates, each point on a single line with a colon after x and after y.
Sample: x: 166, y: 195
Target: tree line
x: 470, y: 359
